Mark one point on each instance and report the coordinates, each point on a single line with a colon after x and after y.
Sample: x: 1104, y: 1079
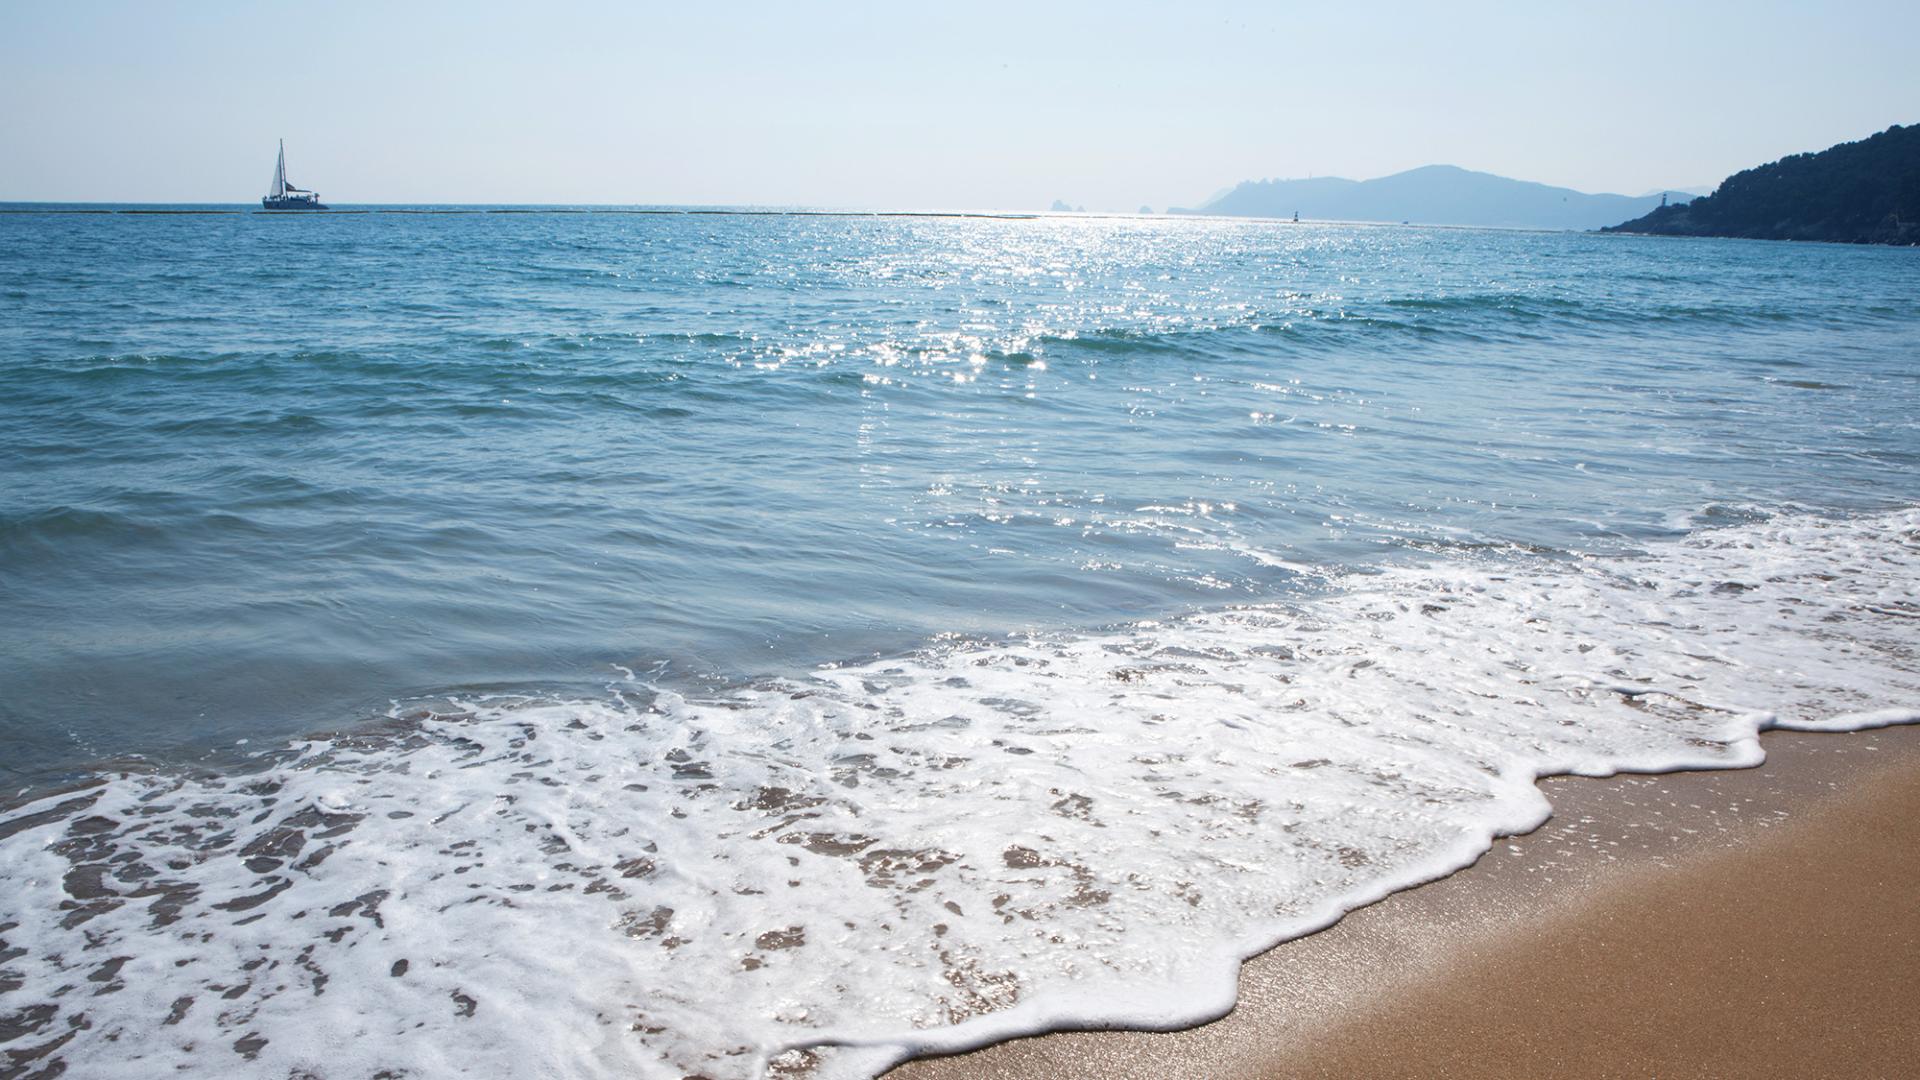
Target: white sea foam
x: 821, y: 875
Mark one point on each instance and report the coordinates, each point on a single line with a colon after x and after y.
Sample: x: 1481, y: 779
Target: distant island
x: 1865, y: 192
x: 1432, y: 195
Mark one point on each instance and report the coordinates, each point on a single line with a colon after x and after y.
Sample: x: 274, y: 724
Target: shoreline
x: 1752, y: 922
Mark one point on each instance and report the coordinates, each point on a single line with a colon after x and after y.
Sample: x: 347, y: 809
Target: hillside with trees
x: 1865, y: 192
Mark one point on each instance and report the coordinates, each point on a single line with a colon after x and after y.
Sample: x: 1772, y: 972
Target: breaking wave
x: 820, y: 874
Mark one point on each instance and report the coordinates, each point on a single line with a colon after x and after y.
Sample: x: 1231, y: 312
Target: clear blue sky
x: 982, y: 104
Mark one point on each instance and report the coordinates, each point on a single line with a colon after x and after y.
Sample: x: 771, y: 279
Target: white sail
x: 280, y: 173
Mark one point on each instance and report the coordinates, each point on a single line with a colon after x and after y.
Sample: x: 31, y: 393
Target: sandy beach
x: 1746, y: 923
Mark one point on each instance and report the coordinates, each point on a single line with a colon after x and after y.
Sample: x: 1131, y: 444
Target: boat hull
x: 272, y: 203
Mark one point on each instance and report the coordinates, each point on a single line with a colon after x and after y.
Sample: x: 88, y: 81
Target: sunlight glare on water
x: 697, y: 644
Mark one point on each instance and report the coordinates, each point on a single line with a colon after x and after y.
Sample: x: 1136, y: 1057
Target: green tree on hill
x: 1865, y: 192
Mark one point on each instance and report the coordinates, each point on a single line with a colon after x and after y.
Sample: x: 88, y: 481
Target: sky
x: 981, y: 105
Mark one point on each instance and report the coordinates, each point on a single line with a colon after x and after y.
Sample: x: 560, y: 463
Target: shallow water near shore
x: 806, y: 640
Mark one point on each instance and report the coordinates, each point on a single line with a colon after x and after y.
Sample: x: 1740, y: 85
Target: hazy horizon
x: 1108, y: 107
x: 1193, y: 206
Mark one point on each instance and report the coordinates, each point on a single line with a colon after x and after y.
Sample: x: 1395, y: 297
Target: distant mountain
x: 1865, y: 192
x: 1433, y: 195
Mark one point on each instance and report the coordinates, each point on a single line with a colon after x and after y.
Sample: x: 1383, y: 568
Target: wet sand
x: 1756, y: 923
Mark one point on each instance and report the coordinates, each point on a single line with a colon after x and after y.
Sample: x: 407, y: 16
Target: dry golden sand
x: 1759, y: 923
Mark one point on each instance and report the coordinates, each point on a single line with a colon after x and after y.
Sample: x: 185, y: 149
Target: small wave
x: 58, y: 524
x: 1486, y: 314
x: 1521, y: 304
x: 37, y: 534
x: 241, y: 426
x: 921, y: 852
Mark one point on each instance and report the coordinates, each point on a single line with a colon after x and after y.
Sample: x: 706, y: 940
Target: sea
x: 648, y: 642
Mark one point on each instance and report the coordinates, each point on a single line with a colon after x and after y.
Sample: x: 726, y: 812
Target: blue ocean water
x: 774, y: 644
x: 263, y: 475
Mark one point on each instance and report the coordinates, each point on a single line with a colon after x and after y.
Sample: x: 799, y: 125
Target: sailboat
x: 284, y: 196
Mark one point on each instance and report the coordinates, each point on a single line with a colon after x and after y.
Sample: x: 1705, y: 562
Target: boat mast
x: 280, y: 172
